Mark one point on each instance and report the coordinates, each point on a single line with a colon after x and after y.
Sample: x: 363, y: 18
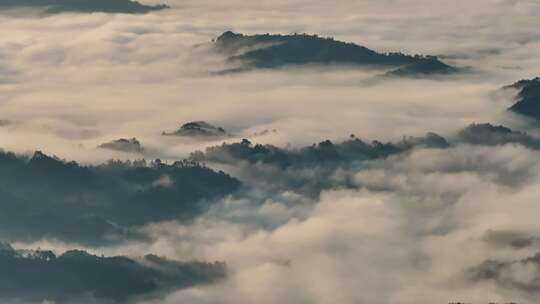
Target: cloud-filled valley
x: 207, y: 152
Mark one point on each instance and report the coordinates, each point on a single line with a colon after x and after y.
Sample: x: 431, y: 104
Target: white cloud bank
x: 415, y: 225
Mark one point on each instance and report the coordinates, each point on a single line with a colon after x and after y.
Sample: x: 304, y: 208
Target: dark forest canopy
x: 321, y: 154
x: 311, y: 169
x: 354, y: 149
x: 44, y: 197
x: 75, y: 276
x: 274, y: 51
x: 83, y: 6
x: 491, y: 135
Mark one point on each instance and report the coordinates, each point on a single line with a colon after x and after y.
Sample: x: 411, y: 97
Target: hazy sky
x: 414, y: 227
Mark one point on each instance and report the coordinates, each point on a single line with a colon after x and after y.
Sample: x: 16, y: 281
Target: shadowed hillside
x: 528, y: 97
x: 106, y: 6
x: 37, y: 275
x: 44, y: 197
x: 274, y: 51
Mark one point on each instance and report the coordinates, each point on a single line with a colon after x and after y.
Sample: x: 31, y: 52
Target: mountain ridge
x: 269, y: 51
x: 83, y: 6
x: 527, y: 98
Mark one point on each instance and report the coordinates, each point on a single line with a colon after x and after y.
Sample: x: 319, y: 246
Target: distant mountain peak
x: 528, y: 97
x: 131, y: 145
x: 198, y: 129
x: 228, y: 35
x: 524, y: 83
x: 275, y: 51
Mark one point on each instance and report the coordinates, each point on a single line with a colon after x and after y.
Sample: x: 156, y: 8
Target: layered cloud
x: 129, y: 61
x: 399, y: 236
x: 416, y: 227
x: 384, y: 229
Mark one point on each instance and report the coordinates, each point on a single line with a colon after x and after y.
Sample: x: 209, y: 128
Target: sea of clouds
x: 425, y: 225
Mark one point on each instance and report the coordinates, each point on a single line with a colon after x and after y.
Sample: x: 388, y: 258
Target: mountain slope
x: 274, y: 51
x: 528, y: 97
